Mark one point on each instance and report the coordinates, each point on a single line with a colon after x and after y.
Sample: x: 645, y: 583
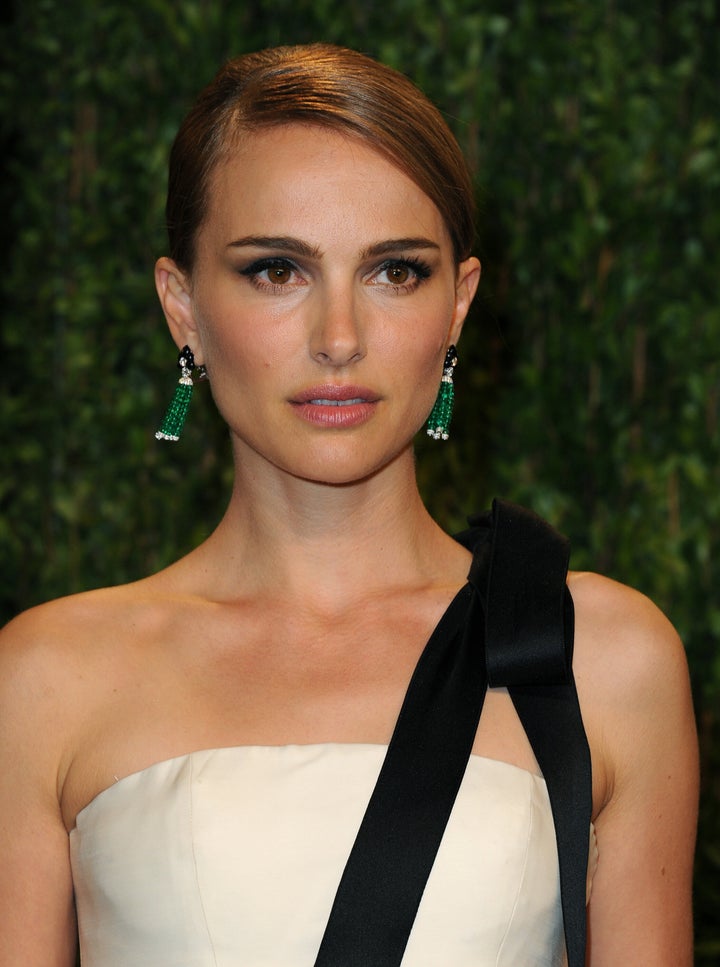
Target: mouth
x: 331, y: 395
x: 326, y: 402
x: 335, y: 407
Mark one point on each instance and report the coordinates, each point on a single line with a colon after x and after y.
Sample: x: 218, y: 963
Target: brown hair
x: 320, y: 84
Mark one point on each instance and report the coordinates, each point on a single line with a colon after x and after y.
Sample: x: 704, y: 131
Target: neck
x: 328, y: 543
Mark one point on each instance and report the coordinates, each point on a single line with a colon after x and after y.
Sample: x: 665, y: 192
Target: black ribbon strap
x: 388, y: 867
x: 529, y: 645
x: 516, y: 614
x: 526, y: 588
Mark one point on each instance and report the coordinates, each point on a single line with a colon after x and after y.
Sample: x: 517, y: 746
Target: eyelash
x: 252, y: 272
x: 420, y: 270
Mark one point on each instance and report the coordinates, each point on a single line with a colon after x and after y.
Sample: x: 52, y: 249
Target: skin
x: 208, y: 654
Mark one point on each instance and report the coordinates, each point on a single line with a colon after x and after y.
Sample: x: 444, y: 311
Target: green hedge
x: 589, y: 384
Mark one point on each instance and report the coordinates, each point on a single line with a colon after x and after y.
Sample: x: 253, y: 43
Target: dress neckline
x: 377, y: 749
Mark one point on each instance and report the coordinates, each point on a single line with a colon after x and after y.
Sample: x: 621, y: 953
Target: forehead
x: 282, y: 178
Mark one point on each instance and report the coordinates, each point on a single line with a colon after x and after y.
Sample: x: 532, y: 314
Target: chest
x: 289, y: 680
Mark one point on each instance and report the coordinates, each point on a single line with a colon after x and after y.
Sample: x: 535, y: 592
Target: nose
x: 337, y: 337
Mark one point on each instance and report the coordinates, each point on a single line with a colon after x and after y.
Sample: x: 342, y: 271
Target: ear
x: 466, y: 283
x: 173, y: 289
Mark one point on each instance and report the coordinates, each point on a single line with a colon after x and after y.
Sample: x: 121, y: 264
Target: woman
x: 191, y: 755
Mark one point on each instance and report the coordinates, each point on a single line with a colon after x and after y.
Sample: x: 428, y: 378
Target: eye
x: 398, y: 274
x: 402, y: 275
x: 279, y: 274
x: 272, y: 274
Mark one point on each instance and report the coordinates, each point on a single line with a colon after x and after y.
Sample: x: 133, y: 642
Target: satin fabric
x: 231, y: 858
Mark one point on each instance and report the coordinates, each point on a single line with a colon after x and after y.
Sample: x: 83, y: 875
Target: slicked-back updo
x: 325, y: 85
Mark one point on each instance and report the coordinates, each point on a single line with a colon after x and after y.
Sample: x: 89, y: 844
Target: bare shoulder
x: 75, y: 620
x: 624, y: 644
x: 50, y: 654
x: 55, y: 630
x: 634, y: 691
x: 56, y: 666
x: 41, y: 661
x: 632, y: 676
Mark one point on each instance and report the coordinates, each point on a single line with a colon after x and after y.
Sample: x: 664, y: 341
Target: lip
x: 332, y: 394
x: 335, y: 406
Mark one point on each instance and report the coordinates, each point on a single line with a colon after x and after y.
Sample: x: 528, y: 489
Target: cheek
x: 425, y: 343
x: 237, y: 341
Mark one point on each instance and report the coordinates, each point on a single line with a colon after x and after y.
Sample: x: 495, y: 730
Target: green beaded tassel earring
x: 174, y: 419
x: 439, y: 420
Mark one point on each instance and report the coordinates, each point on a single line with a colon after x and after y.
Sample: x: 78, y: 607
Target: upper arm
x: 37, y: 920
x: 635, y: 687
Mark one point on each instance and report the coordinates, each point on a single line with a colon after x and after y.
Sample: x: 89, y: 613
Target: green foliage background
x: 589, y: 385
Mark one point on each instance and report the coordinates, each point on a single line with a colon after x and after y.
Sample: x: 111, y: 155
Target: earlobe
x: 173, y: 289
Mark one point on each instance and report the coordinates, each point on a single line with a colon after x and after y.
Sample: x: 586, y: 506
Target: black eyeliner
x: 267, y: 262
x: 419, y: 267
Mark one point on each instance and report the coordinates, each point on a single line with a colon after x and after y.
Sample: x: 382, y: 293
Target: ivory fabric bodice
x: 231, y: 858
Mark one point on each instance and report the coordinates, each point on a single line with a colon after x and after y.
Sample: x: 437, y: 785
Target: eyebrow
x: 398, y: 245
x: 287, y: 243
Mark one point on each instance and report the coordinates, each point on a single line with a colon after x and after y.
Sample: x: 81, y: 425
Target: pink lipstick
x: 334, y: 406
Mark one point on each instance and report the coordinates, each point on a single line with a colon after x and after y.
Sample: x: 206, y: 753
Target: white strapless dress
x: 232, y: 857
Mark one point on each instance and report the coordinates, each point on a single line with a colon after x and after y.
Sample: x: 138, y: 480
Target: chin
x: 347, y: 470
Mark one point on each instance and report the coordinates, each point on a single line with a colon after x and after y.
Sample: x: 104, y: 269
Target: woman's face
x: 322, y: 302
